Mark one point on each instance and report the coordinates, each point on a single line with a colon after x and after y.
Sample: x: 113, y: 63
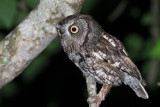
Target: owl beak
x: 58, y: 26
x: 58, y: 29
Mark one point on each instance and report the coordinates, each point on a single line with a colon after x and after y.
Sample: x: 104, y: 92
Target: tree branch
x: 92, y: 89
x: 118, y: 11
x: 32, y: 36
x: 154, y: 33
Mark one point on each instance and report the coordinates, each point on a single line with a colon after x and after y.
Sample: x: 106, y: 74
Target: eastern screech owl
x: 99, y: 54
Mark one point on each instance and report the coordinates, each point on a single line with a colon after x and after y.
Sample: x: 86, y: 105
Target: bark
x: 32, y: 36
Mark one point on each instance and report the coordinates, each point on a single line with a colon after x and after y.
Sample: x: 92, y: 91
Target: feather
x: 135, y: 85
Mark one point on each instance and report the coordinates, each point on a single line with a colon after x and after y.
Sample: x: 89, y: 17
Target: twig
x: 32, y: 36
x: 155, y: 22
x: 154, y: 33
x: 91, y: 87
x: 118, y: 11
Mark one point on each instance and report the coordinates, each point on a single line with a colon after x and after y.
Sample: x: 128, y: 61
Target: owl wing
x: 112, y: 51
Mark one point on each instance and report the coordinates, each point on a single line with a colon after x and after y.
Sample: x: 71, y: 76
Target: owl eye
x: 74, y: 29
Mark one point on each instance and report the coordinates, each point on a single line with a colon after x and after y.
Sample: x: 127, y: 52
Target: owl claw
x: 95, y: 99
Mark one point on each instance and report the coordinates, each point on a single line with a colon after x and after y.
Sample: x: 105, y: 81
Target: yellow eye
x: 74, y: 29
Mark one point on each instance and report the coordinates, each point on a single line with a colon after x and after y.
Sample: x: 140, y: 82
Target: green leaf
x: 31, y: 3
x: 7, y: 13
x: 155, y: 52
x: 146, y: 19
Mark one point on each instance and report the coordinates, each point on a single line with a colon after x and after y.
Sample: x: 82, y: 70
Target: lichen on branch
x: 32, y: 36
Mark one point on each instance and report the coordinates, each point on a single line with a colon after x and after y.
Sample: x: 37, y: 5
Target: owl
x: 99, y: 55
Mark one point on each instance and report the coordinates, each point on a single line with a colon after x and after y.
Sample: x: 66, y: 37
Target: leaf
x: 146, y: 19
x: 155, y: 52
x: 31, y: 3
x: 7, y: 13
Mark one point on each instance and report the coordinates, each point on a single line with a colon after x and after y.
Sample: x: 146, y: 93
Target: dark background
x: 52, y: 80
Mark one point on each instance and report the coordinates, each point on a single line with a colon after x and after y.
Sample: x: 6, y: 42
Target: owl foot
x: 100, y: 96
x: 95, y: 99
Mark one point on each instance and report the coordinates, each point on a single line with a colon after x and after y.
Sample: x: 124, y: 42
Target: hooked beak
x: 58, y: 28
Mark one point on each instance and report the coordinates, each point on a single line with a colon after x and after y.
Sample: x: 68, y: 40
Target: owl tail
x: 136, y: 85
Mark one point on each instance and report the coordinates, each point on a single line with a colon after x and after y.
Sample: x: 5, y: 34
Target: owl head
x: 78, y: 29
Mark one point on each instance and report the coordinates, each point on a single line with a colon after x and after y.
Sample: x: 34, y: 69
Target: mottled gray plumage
x: 98, y: 53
